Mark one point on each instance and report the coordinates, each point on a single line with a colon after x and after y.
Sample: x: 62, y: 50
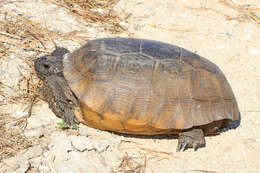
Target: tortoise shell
x: 147, y: 87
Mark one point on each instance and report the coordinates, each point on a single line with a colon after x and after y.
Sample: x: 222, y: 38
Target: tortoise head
x: 50, y: 64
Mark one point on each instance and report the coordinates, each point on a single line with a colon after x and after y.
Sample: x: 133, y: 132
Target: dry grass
x: 130, y: 164
x: 204, y: 171
x: 3, y: 50
x: 13, y: 141
x: 241, y: 13
x: 94, y: 11
x: 245, y: 12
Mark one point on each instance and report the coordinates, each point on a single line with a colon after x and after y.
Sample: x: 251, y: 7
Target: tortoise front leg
x: 193, y: 138
x: 61, y: 100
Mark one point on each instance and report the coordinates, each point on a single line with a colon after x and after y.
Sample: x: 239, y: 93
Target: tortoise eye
x: 46, y: 66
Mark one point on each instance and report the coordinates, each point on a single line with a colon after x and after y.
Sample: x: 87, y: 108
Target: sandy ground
x: 226, y: 36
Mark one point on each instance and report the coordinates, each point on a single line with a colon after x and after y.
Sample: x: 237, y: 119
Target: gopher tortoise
x: 138, y: 86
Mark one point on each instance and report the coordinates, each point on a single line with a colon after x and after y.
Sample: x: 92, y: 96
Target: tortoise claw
x: 182, y: 145
x: 179, y: 146
x: 191, y: 139
x: 70, y: 119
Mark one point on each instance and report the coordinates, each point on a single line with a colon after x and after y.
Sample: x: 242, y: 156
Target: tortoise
x: 138, y: 86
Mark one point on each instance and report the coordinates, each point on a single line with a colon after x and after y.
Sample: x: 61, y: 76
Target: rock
x: 42, y: 117
x: 17, y: 164
x: 74, y: 154
x: 34, y: 132
x: 1, y: 97
x: 35, y: 163
x: 19, y: 114
x: 54, y: 15
x: 60, y: 146
x: 102, y: 145
x: 32, y: 152
x: 15, y: 110
x: 82, y: 143
x: 88, y: 131
x: 80, y: 163
x: 254, y: 52
x: 67, y: 168
x: 12, y: 73
x: 13, y: 126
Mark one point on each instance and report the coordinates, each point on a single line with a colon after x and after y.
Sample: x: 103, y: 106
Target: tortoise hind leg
x: 193, y: 138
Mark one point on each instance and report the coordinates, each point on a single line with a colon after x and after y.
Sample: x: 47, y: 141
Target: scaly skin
x: 193, y: 138
x: 56, y: 91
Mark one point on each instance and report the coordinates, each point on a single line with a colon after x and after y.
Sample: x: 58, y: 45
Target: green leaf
x: 75, y: 127
x: 62, y: 123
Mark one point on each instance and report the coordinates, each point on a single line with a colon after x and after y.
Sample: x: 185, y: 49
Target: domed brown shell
x: 147, y: 87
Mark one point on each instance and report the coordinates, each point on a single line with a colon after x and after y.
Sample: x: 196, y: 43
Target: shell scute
x: 160, y: 50
x: 120, y: 46
x: 147, y: 87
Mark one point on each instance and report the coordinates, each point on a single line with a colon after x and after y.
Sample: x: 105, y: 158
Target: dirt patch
x: 225, y: 32
x: 26, y: 39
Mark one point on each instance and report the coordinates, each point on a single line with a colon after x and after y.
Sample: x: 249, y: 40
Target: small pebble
x: 19, y: 114
x: 100, y: 10
x: 234, y: 22
x: 32, y: 152
x: 218, y: 47
x: 90, y: 29
x: 1, y: 97
x: 254, y: 52
x: 123, y: 24
x: 82, y: 143
x: 183, y: 15
x: 12, y: 56
x: 247, y: 36
x: 17, y: 164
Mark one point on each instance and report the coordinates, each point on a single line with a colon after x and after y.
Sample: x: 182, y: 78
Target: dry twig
x: 170, y: 29
x: 248, y: 12
x: 143, y: 148
x: 130, y: 165
x: 243, y: 11
x: 204, y: 171
x: 95, y: 12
